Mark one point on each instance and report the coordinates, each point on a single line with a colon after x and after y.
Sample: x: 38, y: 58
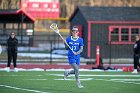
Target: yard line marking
x: 119, y: 81
x: 129, y: 82
x: 86, y: 79
x: 19, y: 75
x: 35, y: 79
x: 82, y: 79
x: 126, y: 79
x: 114, y: 75
x: 101, y: 75
x: 17, y: 88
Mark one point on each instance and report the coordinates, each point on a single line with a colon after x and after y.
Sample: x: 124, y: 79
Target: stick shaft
x: 65, y: 42
x: 57, y: 31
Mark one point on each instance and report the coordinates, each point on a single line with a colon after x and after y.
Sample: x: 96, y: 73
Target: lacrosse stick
x: 55, y: 29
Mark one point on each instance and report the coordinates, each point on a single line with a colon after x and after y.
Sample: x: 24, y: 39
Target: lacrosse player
x: 12, y: 44
x: 76, y: 45
x: 136, y: 50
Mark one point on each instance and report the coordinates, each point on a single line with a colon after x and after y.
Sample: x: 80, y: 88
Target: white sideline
x: 125, y: 79
x: 17, y: 88
x: 81, y: 69
x: 82, y: 79
x: 100, y: 75
x: 122, y: 81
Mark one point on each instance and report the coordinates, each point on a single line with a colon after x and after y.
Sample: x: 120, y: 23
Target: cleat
x: 65, y: 75
x: 7, y: 69
x: 80, y: 86
x: 15, y: 70
x: 135, y: 72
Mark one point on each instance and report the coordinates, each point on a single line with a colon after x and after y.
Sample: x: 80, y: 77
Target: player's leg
x: 136, y: 60
x: 138, y: 65
x: 15, y: 61
x: 67, y: 73
x: 71, y: 61
x: 76, y: 70
x: 9, y: 60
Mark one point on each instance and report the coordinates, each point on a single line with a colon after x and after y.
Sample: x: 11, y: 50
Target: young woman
x: 76, y: 45
x: 136, y: 55
x: 12, y: 44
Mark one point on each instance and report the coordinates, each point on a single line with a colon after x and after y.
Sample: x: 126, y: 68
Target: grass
x: 52, y: 82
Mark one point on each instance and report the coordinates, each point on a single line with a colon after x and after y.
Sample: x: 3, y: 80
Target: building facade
x: 112, y: 28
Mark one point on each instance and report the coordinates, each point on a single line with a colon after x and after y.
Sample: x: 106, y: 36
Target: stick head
x: 54, y: 27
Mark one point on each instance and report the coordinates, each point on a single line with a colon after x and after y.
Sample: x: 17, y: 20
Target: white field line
x: 82, y: 79
x: 113, y: 75
x: 99, y: 75
x: 119, y: 81
x: 126, y: 79
x: 114, y: 80
x: 21, y: 75
x: 17, y: 88
x: 80, y: 75
x: 53, y: 69
x: 36, y: 79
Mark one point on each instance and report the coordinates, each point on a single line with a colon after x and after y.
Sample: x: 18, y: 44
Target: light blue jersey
x: 75, y: 46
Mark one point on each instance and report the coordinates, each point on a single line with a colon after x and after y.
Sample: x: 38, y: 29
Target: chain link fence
x: 49, y: 48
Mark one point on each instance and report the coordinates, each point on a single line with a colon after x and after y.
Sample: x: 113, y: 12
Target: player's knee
x: 76, y: 70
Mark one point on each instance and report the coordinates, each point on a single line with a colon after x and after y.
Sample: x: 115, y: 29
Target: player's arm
x: 66, y: 46
x: 138, y: 47
x: 80, y: 50
x: 81, y: 47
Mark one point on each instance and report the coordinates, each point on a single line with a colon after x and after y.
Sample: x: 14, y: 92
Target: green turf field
x: 52, y: 82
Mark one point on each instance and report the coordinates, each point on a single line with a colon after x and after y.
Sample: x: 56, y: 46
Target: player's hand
x: 74, y: 53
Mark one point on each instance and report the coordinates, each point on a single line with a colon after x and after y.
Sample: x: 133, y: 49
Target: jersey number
x: 73, y: 48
